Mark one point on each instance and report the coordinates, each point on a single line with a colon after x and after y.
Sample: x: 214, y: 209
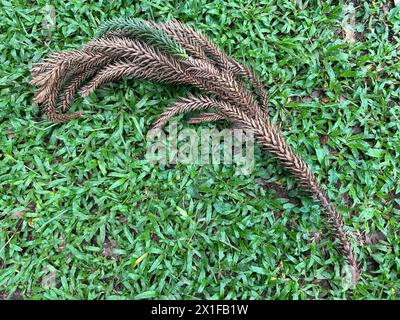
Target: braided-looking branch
x: 174, y: 53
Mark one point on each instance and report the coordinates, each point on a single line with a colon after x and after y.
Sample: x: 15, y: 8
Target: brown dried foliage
x: 220, y: 78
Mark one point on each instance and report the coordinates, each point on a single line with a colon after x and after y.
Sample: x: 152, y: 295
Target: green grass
x: 83, y: 215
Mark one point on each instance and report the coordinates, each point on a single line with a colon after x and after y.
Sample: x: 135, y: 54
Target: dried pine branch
x: 175, y: 53
x: 182, y: 105
x: 206, y: 117
x: 142, y: 30
x: 199, y: 47
x: 190, y: 38
x: 72, y: 86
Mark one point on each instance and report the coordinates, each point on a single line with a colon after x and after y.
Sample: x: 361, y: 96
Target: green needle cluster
x: 142, y: 30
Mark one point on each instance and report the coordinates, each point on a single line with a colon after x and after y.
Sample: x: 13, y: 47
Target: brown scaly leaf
x: 190, y: 38
x: 183, y: 105
x: 207, y: 68
x: 71, y: 88
x: 206, y: 117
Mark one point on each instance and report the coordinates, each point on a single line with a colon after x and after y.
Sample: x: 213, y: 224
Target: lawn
x: 83, y: 214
